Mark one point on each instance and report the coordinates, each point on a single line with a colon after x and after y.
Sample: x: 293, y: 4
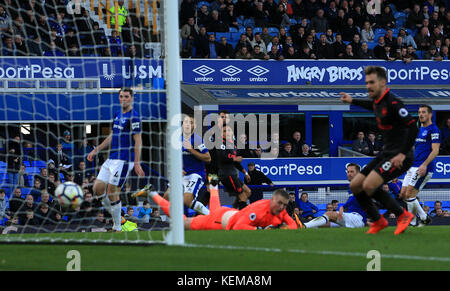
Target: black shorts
x: 382, y: 165
x: 233, y: 185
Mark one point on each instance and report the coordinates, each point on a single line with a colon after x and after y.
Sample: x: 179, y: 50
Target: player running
x: 126, y: 142
x: 426, y: 149
x: 262, y: 214
x: 399, y: 130
x: 353, y: 216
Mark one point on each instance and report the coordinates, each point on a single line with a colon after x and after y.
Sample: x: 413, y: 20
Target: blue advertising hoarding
x: 326, y: 170
x: 112, y: 72
x: 313, y: 72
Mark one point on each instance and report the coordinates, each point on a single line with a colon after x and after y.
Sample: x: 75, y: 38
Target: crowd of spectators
x: 45, y: 28
x: 28, y: 198
x: 314, y: 29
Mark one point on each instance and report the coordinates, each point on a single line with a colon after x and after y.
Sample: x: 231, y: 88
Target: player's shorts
x: 192, y: 184
x: 382, y: 165
x: 213, y: 221
x: 351, y: 220
x: 233, y: 185
x: 115, y: 172
x: 412, y: 178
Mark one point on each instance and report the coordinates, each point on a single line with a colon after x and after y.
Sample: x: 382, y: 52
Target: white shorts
x: 412, y: 178
x: 192, y: 184
x: 115, y: 172
x: 351, y: 220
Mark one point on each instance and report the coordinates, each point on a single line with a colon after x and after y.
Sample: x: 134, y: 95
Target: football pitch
x: 335, y: 249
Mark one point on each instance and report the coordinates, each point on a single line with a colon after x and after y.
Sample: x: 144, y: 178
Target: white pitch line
x: 337, y: 253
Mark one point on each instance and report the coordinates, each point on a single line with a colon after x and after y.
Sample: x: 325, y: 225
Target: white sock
x: 419, y: 210
x: 199, y: 207
x: 316, y: 222
x: 152, y: 194
x: 411, y: 208
x: 105, y: 202
x: 116, y: 213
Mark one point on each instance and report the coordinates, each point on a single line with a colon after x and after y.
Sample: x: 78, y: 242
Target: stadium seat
x: 273, y: 31
x: 219, y: 35
x: 235, y: 35
x: 39, y: 164
x: 201, y: 3
x: 257, y: 29
x: 233, y: 29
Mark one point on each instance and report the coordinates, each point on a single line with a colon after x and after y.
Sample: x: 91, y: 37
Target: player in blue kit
x: 353, y: 216
x: 195, y: 157
x: 125, y: 154
x: 426, y: 149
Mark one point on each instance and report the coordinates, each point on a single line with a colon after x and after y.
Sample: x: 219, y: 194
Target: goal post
x: 74, y: 89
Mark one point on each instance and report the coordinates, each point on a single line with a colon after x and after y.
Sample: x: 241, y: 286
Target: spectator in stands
x: 360, y: 145
x: 43, y: 214
x: 81, y: 173
x: 405, y: 56
x: 115, y: 44
x: 356, y: 44
x: 213, y: 47
x: 225, y: 50
x: 36, y: 190
x: 323, y: 49
x: 444, y: 52
x: 406, y: 38
x: 4, y: 206
x: 367, y: 33
x: 22, y: 179
x: 265, y: 36
x: 306, y: 53
x: 306, y: 152
x: 8, y: 48
x: 5, y: 21
x: 432, y: 54
x: 229, y: 17
x: 275, y: 53
x: 100, y: 220
x: 412, y: 52
x: 307, y: 209
x: 14, y: 157
x: 287, y: 151
x: 53, y: 51
x: 259, y: 15
x: 296, y: 142
x: 257, y: 178
x: 311, y: 43
x: 299, y: 36
x: 203, y: 16
x: 422, y: 39
x: 28, y: 205
x: 122, y: 14
x: 379, y: 50
x: 319, y: 22
x: 386, y: 19
x: 280, y: 18
x: 74, y: 51
x: 375, y: 145
x: 415, y: 18
x: 339, y: 46
x: 436, y: 34
x: 243, y: 53
x: 130, y: 215
x: 292, y: 206
x: 45, y: 198
x: 187, y: 10
x: 437, y: 209
x: 144, y: 212
x: 35, y: 46
x: 291, y: 53
x: 365, y: 53
x: 52, y: 183
x: 298, y: 10
x: 215, y: 24
x: 189, y: 33
x: 330, y: 37
x: 349, y: 53
x: 257, y: 40
x: 349, y: 30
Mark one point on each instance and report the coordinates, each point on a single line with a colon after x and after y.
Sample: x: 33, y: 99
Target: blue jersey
x: 192, y: 165
x: 125, y: 125
x: 352, y: 205
x: 426, y: 136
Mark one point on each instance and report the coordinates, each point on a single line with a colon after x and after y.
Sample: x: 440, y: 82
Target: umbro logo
x: 231, y: 70
x: 203, y: 70
x: 258, y: 71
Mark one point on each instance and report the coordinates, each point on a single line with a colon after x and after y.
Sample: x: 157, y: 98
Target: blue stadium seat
x: 273, y: 31
x: 201, y: 3
x: 235, y: 35
x: 371, y: 44
x: 381, y: 31
x: 293, y: 21
x: 39, y: 164
x: 219, y: 35
x: 233, y: 29
x: 257, y: 30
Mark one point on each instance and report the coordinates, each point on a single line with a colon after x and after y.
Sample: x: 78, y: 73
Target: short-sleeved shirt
x: 426, y: 136
x: 125, y: 126
x: 192, y: 165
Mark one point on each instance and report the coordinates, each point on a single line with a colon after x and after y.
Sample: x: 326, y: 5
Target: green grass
x: 425, y: 248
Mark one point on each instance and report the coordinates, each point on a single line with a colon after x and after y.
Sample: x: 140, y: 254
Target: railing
x: 55, y: 85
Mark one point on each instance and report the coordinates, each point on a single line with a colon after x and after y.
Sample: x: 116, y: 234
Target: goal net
x: 61, y: 71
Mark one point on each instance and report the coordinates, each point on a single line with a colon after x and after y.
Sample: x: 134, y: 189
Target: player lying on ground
x: 426, y: 149
x: 399, y: 132
x: 353, y: 217
x: 262, y: 214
